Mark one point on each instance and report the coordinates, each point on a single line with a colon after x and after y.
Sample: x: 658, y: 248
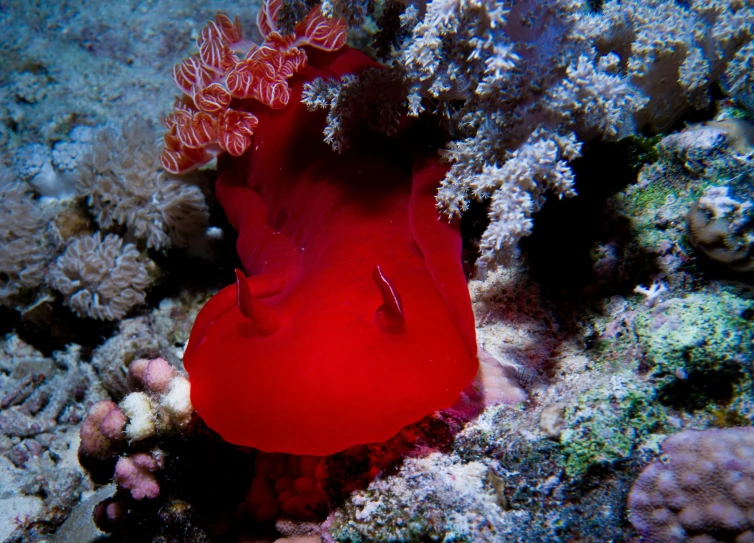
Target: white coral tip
x: 177, y: 401
x: 141, y: 416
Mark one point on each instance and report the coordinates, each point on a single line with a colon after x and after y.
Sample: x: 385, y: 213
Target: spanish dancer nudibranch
x: 352, y: 317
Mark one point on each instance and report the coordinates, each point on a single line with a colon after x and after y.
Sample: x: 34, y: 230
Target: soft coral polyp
x: 372, y: 327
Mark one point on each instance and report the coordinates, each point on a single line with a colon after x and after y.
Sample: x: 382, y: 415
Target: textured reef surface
x: 577, y: 175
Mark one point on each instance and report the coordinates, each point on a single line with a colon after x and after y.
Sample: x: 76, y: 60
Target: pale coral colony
x: 600, y: 158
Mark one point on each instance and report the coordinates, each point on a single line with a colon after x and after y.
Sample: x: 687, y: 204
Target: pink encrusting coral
x: 700, y: 489
x: 158, y: 407
x: 102, y: 431
x: 203, y: 123
x: 154, y: 375
x: 135, y: 473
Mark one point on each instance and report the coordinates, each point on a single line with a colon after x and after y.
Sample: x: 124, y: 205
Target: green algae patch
x: 609, y: 422
x: 639, y: 150
x: 695, y: 347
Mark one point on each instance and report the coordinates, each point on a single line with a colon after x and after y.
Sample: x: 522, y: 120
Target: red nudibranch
x: 355, y: 318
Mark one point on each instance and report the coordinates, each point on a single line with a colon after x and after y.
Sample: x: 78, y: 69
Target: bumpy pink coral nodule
x: 135, y: 473
x: 701, y: 488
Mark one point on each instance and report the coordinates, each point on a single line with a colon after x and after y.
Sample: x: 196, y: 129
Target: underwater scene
x: 377, y: 271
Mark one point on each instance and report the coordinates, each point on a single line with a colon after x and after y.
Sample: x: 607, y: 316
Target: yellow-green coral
x: 609, y: 422
x: 697, y: 339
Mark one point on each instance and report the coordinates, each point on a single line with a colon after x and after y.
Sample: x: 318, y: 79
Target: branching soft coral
x: 376, y: 97
x: 516, y: 188
x: 515, y: 80
x: 203, y: 124
x: 521, y: 85
x: 675, y: 51
x: 458, y: 49
x: 594, y: 100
